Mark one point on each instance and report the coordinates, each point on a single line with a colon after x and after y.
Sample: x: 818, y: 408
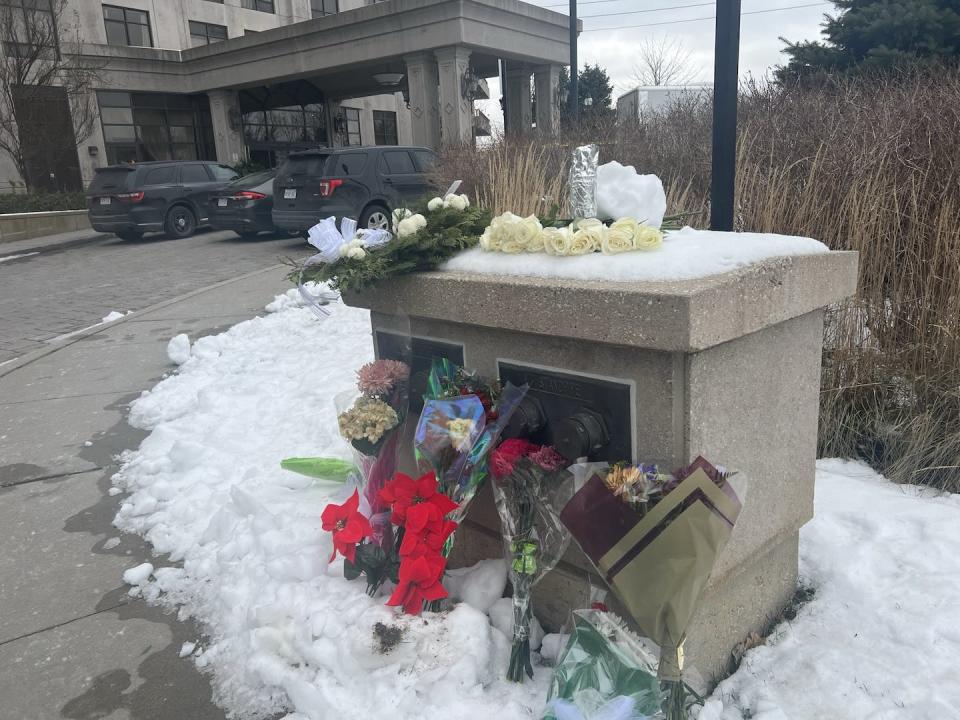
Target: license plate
x: 222, y: 202
x: 290, y: 194
x: 104, y: 201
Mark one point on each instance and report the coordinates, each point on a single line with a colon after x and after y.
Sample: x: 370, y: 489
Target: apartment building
x: 255, y: 79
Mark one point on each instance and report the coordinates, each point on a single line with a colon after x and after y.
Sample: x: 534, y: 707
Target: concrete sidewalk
x: 73, y: 644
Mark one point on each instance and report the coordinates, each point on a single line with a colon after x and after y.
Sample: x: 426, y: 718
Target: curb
x: 6, y: 250
x: 31, y: 357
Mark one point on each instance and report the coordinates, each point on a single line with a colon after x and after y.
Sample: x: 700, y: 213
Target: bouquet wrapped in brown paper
x: 655, y: 539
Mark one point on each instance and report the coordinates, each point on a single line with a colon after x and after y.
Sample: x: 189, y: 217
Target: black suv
x: 365, y: 183
x: 171, y: 195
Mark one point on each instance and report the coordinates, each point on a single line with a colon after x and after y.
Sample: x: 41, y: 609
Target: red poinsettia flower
x: 428, y: 542
x: 419, y: 583
x: 415, y: 504
x: 348, y: 526
x: 506, y: 455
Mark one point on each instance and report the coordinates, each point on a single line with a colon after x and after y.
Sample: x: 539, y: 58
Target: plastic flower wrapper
x: 605, y: 673
x: 448, y: 430
x: 657, y: 548
x: 534, y: 538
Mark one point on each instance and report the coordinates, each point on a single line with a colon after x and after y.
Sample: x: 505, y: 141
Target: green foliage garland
x: 448, y: 231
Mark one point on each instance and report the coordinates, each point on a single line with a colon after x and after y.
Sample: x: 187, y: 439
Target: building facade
x: 237, y: 80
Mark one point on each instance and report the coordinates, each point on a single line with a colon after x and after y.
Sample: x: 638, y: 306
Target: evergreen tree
x: 594, y: 83
x: 878, y: 34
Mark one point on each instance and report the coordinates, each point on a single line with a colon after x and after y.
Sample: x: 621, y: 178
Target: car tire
x: 129, y: 235
x: 180, y: 222
x: 247, y: 234
x: 375, y: 217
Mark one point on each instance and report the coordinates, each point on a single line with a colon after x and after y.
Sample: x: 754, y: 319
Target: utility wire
x: 711, y: 17
x: 637, y: 12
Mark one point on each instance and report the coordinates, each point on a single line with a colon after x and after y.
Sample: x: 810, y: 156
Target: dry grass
x: 868, y: 165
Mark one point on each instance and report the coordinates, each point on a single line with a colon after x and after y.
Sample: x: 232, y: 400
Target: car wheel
x: 180, y: 222
x: 129, y: 234
x: 248, y: 234
x: 375, y: 217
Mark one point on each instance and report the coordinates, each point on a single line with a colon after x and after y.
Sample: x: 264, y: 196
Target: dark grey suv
x: 168, y: 195
x: 365, y: 183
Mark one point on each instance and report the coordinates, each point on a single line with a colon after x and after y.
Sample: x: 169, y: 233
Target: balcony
x: 481, y: 124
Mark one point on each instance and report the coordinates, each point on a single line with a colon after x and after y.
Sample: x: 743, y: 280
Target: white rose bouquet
x: 509, y: 233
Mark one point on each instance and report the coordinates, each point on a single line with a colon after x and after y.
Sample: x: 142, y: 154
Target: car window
x: 398, y: 161
x: 223, y: 172
x: 347, y: 164
x: 251, y: 181
x: 161, y: 176
x: 299, y: 165
x: 111, y: 179
x: 193, y: 174
x: 425, y: 159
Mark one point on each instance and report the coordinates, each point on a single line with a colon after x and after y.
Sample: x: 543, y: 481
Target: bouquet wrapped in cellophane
x: 524, y: 474
x: 655, y: 538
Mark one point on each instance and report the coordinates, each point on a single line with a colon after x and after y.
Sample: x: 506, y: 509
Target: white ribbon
x: 619, y: 708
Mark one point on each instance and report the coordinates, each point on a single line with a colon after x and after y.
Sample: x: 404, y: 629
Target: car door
x: 400, y: 176
x: 196, y: 185
x: 425, y: 161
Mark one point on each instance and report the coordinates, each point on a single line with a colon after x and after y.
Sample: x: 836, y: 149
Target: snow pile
x: 113, y: 315
x: 881, y: 638
x: 287, y: 632
x: 178, y: 349
x: 292, y: 297
x: 622, y: 192
x: 138, y: 575
x: 685, y: 254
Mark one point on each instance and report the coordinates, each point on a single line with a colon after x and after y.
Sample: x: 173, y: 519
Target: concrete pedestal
x: 726, y: 367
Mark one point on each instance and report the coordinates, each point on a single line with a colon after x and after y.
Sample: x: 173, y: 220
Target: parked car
x: 245, y: 205
x: 365, y: 183
x: 168, y: 195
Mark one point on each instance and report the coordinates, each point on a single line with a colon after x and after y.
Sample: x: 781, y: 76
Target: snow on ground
x: 685, y: 254
x: 285, y: 632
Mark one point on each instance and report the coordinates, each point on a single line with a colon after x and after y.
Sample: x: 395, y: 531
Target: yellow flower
x: 460, y: 430
x: 620, y: 236
x: 647, y: 238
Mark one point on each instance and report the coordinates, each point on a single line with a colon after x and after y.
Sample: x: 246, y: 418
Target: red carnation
x: 419, y: 583
x: 429, y: 542
x: 506, y: 455
x: 348, y: 526
x: 416, y: 503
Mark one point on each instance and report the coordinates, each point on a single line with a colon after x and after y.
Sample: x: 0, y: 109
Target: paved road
x: 66, y: 288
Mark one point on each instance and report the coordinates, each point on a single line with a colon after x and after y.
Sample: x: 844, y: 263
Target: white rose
x: 500, y: 232
x: 557, y: 241
x: 647, y: 238
x: 620, y: 236
x: 456, y: 202
x: 588, y: 237
x: 407, y: 227
x: 530, y: 233
x: 489, y: 241
x: 435, y: 204
x: 356, y: 253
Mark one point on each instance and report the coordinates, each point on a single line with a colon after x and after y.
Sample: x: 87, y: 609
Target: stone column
x: 424, y: 99
x: 547, y: 83
x: 456, y: 111
x: 518, y: 99
x: 227, y: 131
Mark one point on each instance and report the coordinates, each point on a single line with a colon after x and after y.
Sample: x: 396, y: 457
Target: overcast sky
x: 760, y: 46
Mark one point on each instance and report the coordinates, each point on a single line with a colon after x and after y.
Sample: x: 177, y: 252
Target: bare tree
x: 663, y: 61
x: 43, y: 79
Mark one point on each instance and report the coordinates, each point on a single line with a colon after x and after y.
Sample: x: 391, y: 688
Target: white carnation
x: 435, y: 204
x: 356, y: 253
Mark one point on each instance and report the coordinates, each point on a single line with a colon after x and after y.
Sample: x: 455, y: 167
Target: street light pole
x: 725, y: 81
x: 574, y: 98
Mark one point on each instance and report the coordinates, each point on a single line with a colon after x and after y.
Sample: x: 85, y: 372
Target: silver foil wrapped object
x: 583, y: 181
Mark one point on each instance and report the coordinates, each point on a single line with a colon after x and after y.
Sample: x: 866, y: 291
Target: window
x: 161, y: 176
x: 351, y: 123
x: 319, y: 8
x: 385, y: 127
x: 33, y: 22
x: 219, y: 2
x: 223, y: 172
x: 155, y: 126
x: 347, y: 164
x: 126, y: 26
x: 261, y: 5
x: 202, y: 33
x: 425, y: 159
x: 398, y: 162
x: 192, y: 174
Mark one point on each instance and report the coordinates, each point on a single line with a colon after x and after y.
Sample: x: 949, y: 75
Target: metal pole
x: 574, y: 98
x: 725, y: 80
